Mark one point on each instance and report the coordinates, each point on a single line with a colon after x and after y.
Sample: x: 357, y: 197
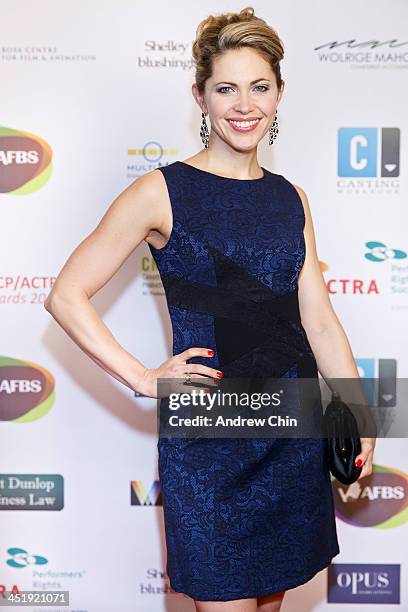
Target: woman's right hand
x: 176, y: 367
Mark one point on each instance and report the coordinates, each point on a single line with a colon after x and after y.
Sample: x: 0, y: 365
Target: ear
x: 280, y: 94
x: 199, y: 98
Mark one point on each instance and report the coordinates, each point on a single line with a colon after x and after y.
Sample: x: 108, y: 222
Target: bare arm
x: 129, y: 220
x: 327, y: 338
x: 325, y: 333
x: 91, y: 265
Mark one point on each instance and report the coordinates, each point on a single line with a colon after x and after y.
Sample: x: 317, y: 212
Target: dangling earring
x: 204, y: 133
x: 274, y: 129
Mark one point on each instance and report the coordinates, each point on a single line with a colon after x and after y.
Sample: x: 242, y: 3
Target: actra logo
x: 25, y: 162
x: 26, y: 390
x: 379, y: 500
x: 6, y: 591
x: 349, y: 285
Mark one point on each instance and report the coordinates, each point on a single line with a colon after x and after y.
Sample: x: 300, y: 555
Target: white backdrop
x: 93, y: 95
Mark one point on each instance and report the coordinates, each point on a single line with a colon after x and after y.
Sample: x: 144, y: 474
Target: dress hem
x: 285, y: 587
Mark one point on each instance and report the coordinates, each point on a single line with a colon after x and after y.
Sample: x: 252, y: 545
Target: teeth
x: 244, y: 123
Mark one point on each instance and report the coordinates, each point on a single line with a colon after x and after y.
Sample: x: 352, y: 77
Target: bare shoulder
x: 143, y: 206
x: 131, y: 218
x: 300, y: 191
x: 151, y: 186
x: 153, y: 190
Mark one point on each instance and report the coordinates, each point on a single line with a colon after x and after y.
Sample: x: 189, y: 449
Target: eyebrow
x: 251, y: 83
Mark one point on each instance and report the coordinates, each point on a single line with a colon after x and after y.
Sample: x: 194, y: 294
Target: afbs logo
x: 25, y: 162
x: 379, y: 500
x: 26, y: 390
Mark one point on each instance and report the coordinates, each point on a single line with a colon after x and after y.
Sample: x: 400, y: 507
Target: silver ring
x: 187, y: 379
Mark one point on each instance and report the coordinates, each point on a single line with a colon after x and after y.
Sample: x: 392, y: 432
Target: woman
x: 246, y: 519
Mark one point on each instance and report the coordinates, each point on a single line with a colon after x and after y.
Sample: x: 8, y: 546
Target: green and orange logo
x: 379, y: 500
x: 25, y: 162
x: 27, y: 390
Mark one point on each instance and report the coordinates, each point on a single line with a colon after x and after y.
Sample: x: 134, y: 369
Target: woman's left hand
x: 366, y: 457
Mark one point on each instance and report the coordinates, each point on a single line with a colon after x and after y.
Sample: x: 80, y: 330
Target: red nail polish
x: 358, y: 462
x: 211, y: 353
x: 220, y: 374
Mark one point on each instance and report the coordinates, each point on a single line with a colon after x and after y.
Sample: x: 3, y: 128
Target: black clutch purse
x: 343, y: 440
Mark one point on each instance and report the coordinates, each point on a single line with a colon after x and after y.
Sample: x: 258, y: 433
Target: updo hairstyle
x: 219, y: 33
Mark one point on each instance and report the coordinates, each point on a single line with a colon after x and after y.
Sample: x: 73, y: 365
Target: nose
x: 244, y: 103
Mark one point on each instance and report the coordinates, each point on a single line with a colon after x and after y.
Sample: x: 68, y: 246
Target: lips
x: 244, y: 125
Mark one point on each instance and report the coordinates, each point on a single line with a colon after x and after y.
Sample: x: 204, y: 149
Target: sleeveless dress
x: 243, y: 517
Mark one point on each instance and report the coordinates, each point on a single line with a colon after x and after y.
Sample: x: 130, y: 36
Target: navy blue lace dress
x: 243, y: 517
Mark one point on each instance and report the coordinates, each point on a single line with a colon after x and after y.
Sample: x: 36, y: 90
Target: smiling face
x: 240, y: 97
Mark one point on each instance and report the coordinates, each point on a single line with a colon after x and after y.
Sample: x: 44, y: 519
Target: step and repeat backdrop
x: 94, y: 95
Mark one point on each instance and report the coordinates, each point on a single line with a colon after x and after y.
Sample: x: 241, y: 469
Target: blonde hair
x: 219, y: 33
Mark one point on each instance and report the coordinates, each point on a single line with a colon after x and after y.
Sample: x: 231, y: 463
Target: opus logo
x: 363, y: 583
x: 368, y: 152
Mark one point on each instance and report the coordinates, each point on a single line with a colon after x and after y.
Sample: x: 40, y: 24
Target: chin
x: 247, y: 146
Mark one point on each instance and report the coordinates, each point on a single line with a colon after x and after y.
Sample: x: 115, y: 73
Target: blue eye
x: 224, y: 87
